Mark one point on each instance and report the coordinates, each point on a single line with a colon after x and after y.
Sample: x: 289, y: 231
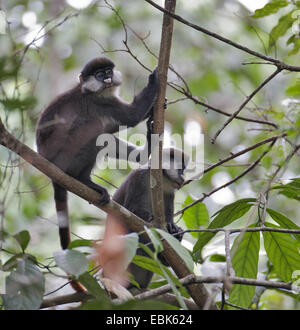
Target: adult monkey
x: 69, y: 127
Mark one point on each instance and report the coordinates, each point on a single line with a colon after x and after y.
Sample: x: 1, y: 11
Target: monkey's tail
x: 61, y: 203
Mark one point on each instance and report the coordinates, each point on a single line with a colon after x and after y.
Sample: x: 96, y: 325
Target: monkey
x: 135, y: 195
x: 68, y: 128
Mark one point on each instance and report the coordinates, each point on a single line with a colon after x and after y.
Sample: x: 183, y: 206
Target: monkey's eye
x: 99, y: 75
x: 108, y: 72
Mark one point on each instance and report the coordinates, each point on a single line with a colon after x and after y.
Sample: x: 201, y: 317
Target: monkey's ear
x: 80, y: 77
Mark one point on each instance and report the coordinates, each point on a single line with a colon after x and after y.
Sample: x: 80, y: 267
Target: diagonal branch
x: 229, y: 120
x: 276, y: 62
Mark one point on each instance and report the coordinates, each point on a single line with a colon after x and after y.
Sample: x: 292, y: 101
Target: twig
x: 228, y: 183
x: 237, y: 154
x: 276, y: 62
x: 245, y: 102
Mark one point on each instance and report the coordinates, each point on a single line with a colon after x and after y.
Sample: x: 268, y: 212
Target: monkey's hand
x: 153, y: 78
x: 175, y: 230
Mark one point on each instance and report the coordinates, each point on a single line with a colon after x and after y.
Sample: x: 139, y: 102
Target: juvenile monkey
x: 69, y: 127
x: 135, y: 195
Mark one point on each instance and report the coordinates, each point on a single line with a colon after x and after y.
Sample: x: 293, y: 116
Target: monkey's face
x: 102, y: 79
x: 99, y: 75
x: 174, y: 162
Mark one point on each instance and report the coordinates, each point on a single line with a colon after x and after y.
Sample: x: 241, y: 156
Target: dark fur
x: 69, y: 126
x: 135, y: 195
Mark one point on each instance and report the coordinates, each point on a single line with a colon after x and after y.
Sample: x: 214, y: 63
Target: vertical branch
x: 197, y: 290
x: 156, y: 177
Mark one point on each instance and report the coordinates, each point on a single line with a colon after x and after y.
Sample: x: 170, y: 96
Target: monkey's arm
x: 173, y: 229
x: 141, y: 106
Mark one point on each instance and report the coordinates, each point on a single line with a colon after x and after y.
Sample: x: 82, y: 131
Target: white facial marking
x: 92, y: 85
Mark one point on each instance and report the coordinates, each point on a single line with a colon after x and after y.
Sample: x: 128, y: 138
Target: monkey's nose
x: 107, y: 80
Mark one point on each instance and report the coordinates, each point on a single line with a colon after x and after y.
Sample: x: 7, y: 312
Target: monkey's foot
x: 105, y: 199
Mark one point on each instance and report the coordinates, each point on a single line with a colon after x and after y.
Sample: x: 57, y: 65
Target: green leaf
x: 155, y: 239
x: 19, y: 104
x: 147, y: 263
x: 283, y: 252
x: 154, y: 266
x: 93, y: 287
x: 284, y: 23
x: 291, y: 189
x: 179, y: 249
x: 283, y: 221
x: 224, y: 217
x: 217, y: 258
x: 24, y: 287
x: 80, y: 242
x: 195, y: 216
x: 270, y: 8
x: 244, y: 254
x: 294, y: 89
x: 23, y: 238
x: 71, y: 261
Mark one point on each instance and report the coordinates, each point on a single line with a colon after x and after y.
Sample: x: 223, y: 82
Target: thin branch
x: 276, y: 62
x: 241, y: 230
x: 245, y: 102
x: 237, y: 154
x: 251, y: 167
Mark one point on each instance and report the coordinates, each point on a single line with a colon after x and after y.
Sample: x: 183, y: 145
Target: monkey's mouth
x: 108, y: 82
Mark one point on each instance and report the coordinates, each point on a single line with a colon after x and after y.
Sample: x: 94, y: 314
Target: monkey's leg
x: 85, y: 178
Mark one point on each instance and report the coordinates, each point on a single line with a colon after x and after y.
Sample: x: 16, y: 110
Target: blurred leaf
x: 283, y: 252
x: 19, y: 104
x: 9, y: 67
x: 295, y: 40
x: 244, y: 251
x: 195, y: 216
x: 70, y: 63
x: 80, y: 242
x: 179, y: 249
x: 24, y: 287
x: 208, y: 82
x: 294, y: 89
x: 284, y: 23
x: 270, y: 8
x: 71, y: 261
x: 132, y: 242
x: 224, y: 217
x: 217, y: 258
x: 23, y: 238
x: 267, y: 162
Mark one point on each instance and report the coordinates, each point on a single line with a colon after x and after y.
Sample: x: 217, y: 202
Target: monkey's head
x: 174, y: 162
x: 98, y: 75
